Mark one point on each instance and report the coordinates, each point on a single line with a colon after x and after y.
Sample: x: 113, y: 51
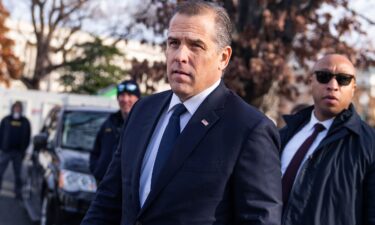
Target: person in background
x: 298, y: 108
x: 196, y: 154
x: 328, y: 153
x: 107, y: 138
x: 15, y: 135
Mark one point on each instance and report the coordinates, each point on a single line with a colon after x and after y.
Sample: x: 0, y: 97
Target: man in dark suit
x: 223, y: 166
x: 328, y: 157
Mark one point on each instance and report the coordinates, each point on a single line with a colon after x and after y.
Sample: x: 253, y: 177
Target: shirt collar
x: 194, y: 102
x: 313, y: 120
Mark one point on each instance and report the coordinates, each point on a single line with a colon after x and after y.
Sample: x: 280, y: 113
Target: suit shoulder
x: 242, y: 108
x: 244, y: 112
x: 154, y: 97
x: 367, y: 131
x: 146, y: 103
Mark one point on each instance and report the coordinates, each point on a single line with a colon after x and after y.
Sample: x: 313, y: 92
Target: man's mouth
x: 180, y: 72
x: 330, y: 97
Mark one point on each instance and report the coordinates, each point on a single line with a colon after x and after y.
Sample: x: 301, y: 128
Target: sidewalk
x: 11, y: 211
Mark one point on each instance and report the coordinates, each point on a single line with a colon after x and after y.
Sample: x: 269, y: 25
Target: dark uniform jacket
x: 14, y: 134
x: 105, y: 145
x: 224, y: 168
x: 336, y: 185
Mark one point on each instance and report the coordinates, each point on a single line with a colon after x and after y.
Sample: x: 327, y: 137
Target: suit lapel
x: 146, y: 128
x: 208, y: 113
x: 294, y: 124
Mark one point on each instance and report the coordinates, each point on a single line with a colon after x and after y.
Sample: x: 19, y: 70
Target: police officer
x: 15, y: 134
x: 106, y: 141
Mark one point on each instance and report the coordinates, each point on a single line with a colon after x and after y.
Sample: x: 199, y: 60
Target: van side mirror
x: 40, y: 141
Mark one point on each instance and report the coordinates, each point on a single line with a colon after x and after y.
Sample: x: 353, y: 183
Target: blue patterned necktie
x: 171, y: 132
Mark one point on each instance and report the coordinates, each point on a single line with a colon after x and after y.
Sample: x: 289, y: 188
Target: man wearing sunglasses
x: 328, y: 156
x: 108, y: 136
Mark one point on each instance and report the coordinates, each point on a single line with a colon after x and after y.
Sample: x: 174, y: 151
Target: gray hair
x: 222, y: 20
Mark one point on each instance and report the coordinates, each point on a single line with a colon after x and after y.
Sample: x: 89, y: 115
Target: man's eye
x: 197, y: 46
x: 172, y: 43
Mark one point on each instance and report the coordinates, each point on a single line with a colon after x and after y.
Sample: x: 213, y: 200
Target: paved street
x: 11, y: 211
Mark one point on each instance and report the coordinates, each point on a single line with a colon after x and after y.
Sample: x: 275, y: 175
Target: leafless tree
x: 53, y: 20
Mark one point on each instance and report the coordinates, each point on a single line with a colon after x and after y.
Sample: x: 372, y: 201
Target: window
x: 80, y: 129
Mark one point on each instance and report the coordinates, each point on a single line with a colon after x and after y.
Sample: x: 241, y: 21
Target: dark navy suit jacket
x: 226, y: 172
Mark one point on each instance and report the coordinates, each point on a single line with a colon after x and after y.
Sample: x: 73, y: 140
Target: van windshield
x: 80, y: 129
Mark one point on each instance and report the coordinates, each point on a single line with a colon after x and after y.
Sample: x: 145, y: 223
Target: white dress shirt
x: 296, y: 141
x: 191, y: 105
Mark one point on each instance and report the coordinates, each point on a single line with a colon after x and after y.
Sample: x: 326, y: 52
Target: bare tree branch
x: 368, y: 20
x: 59, y: 14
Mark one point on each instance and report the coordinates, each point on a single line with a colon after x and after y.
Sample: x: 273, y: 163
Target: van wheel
x: 49, y: 213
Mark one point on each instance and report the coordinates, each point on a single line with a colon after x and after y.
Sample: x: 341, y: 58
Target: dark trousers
x: 16, y: 157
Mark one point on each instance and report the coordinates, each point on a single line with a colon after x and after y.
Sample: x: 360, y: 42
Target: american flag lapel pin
x: 205, y: 123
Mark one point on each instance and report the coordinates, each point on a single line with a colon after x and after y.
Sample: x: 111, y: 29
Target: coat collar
x: 207, y: 114
x: 348, y: 118
x: 117, y: 119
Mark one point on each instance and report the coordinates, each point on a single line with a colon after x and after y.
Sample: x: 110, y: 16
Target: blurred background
x: 86, y: 46
x: 73, y: 52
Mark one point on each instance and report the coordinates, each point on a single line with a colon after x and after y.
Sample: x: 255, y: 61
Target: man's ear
x: 225, y: 55
x: 354, y: 88
x: 309, y: 79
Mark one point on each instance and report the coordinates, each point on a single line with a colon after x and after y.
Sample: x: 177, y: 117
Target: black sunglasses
x: 342, y: 79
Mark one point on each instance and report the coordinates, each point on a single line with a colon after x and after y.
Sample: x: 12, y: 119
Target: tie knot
x: 318, y: 127
x: 179, y: 110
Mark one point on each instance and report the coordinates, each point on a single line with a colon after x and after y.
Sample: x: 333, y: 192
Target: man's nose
x: 182, y: 54
x: 332, y: 85
x: 126, y: 98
